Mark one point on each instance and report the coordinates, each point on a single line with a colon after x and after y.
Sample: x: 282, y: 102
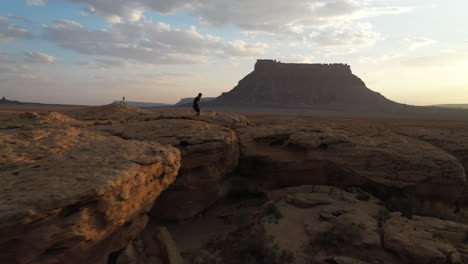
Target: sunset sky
x: 96, y: 51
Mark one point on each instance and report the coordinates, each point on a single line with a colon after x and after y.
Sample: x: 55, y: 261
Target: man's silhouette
x: 197, y: 107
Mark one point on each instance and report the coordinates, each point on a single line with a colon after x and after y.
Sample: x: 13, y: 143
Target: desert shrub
x: 250, y: 245
x: 407, y: 205
x: 463, y: 217
x: 339, y: 235
x: 262, y: 249
x: 382, y: 215
x: 438, y: 210
x: 201, y: 256
x: 242, y: 219
x: 272, y: 212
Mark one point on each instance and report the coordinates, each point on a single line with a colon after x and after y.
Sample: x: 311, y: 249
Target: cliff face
x: 275, y: 84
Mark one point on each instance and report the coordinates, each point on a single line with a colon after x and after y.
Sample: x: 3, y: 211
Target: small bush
x: 272, y: 212
x: 339, y: 235
x: 382, y: 215
x: 242, y: 219
x: 250, y: 246
x: 438, y: 210
x: 263, y: 250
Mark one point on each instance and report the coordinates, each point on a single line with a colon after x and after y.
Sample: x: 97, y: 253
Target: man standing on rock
x: 196, y: 106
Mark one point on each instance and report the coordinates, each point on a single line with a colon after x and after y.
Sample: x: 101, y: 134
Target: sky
x: 93, y: 52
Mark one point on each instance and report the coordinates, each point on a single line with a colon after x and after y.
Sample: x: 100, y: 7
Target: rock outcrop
x: 72, y: 195
x: 324, y: 224
x: 347, y: 155
x: 209, y: 152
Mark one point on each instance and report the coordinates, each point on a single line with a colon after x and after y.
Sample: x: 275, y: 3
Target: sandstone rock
x: 344, y: 155
x: 71, y: 195
x: 208, y: 153
x: 424, y: 240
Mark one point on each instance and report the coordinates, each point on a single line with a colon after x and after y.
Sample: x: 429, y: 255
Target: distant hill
x: 460, y: 106
x: 189, y: 100
x: 142, y: 104
x: 4, y: 101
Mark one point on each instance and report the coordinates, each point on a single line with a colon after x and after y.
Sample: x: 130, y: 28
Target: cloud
x: 441, y: 59
x: 147, y: 42
x: 297, y: 59
x: 9, y: 31
x: 346, y: 40
x: 272, y: 16
x: 379, y: 59
x: 416, y: 43
x: 6, y: 58
x: 106, y: 64
x: 10, y: 69
x: 36, y: 2
x: 37, y: 57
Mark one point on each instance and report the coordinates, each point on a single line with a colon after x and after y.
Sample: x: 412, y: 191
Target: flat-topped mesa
x: 262, y: 65
x: 275, y: 84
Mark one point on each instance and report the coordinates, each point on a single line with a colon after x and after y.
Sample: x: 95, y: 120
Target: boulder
x: 424, y: 240
x: 347, y: 155
x: 72, y: 195
x: 208, y: 151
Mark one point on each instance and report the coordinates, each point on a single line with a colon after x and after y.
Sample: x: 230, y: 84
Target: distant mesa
x: 185, y: 101
x: 290, y: 85
x: 142, y: 104
x: 457, y: 106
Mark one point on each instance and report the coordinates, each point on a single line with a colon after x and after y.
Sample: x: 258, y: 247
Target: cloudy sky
x: 96, y: 51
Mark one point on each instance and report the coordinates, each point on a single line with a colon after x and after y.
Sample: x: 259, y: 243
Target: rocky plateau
x: 119, y: 184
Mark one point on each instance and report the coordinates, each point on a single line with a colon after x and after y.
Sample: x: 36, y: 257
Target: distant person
x: 197, y: 107
x: 123, y: 100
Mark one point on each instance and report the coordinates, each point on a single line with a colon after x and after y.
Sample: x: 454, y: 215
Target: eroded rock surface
x: 424, y: 240
x: 209, y: 152
x: 72, y: 195
x: 343, y: 155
